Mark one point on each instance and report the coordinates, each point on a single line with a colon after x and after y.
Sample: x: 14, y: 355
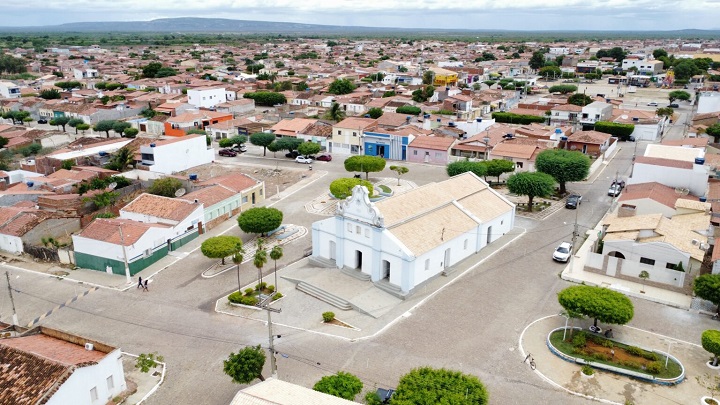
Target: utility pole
x: 125, y: 258
x: 265, y: 305
x: 12, y: 301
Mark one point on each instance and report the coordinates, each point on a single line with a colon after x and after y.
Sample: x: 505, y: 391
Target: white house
x: 9, y: 90
x: 206, y: 97
x: 594, y: 112
x: 643, y: 66
x: 708, y: 102
x: 175, y: 155
x: 672, y: 173
x: 403, y: 241
x: 56, y: 368
x: 87, y: 73
x: 277, y: 392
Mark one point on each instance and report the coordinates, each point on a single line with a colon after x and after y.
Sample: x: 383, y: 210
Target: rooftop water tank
x: 699, y: 161
x: 193, y: 176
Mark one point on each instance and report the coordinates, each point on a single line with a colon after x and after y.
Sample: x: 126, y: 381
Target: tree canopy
x: 711, y: 342
x: 308, y: 148
x: 342, y: 188
x: 599, y: 303
x: 678, y: 95
x: 167, y: 186
x: 423, y: 94
x: 622, y: 131
x: 364, y: 164
x: 341, y: 385
x: 262, y: 139
x: 288, y: 143
x: 531, y: 184
x: 400, y: 170
x: 220, y: 247
x: 497, y: 167
x: 426, y: 385
x: 105, y: 126
x: 335, y: 113
x: 714, y: 131
x: 563, y: 165
x: 246, y: 365
x: 707, y: 287
x: 580, y: 99
x: 562, y: 88
x: 50, y: 94
x: 266, y: 98
x: 260, y: 220
x: 375, y: 112
x: 341, y: 86
x: 462, y: 166
x: 408, y: 109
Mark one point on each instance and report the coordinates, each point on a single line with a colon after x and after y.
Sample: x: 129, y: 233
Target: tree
x: 531, y: 184
x: 551, y: 71
x: 364, y: 164
x: 537, y: 60
x: 644, y: 275
x: 308, y: 148
x: 74, y: 123
x: 104, y: 199
x: 714, y: 131
x: 428, y: 77
x: 341, y: 385
x: 121, y: 159
x: 50, y: 94
x: 563, y: 165
x: 288, y: 143
x: 497, y: 167
x: 679, y: 95
x: 342, y: 188
x: 276, y: 253
x: 598, y: 303
x: 260, y: 220
x: 237, y: 260
x: 665, y: 111
x: 266, y: 98
x: 426, y: 385
x: 622, y: 131
x: 146, y: 362
x: 408, y: 109
x: 246, y: 365
x: 580, y: 99
x: 400, y: 170
x: 69, y: 85
x: 341, y: 86
x: 120, y: 126
x: 166, y: 187
x: 375, y: 112
x: 262, y: 139
x: 711, y: 342
x: 423, y: 94
x: 658, y: 53
x: 106, y: 126
x: 83, y: 127
x: 260, y: 258
x: 220, y: 247
x: 563, y: 88
x: 130, y: 132
x: 16, y: 116
x: 462, y: 166
x: 707, y: 287
x: 60, y: 121
x: 335, y: 113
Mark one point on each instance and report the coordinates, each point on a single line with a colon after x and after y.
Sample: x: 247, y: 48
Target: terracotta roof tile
x: 108, y: 230
x: 160, y: 207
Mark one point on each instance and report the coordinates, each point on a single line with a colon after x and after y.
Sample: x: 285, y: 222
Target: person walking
x: 140, y: 282
x: 145, y: 286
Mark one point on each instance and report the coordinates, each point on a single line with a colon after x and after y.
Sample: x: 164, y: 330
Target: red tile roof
x: 236, y: 182
x: 663, y: 162
x: 108, y: 230
x: 160, y: 207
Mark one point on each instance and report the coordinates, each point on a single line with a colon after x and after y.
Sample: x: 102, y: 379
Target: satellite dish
x: 180, y: 192
x: 112, y: 186
x: 624, y: 116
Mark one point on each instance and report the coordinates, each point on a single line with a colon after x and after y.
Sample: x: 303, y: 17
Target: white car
x: 562, y: 253
x: 303, y: 159
x: 652, y: 104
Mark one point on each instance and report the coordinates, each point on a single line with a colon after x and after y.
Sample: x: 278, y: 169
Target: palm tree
x: 276, y: 253
x: 260, y: 258
x: 335, y: 113
x: 237, y: 259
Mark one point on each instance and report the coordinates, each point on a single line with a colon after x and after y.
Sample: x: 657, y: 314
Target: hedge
x: 516, y: 118
x: 342, y: 188
x: 622, y: 131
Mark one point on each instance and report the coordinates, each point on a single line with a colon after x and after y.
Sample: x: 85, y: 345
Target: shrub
x: 654, y: 367
x: 246, y: 300
x: 277, y: 296
x: 607, y: 343
x: 635, y: 351
x: 650, y: 356
x: 270, y: 288
x: 622, y: 131
x: 235, y: 297
x: 579, y: 340
x: 587, y: 370
x: 602, y: 356
x: 328, y: 316
x: 261, y: 286
x: 516, y: 118
x: 225, y: 143
x: 631, y: 364
x: 408, y: 109
x: 249, y: 291
x: 342, y: 188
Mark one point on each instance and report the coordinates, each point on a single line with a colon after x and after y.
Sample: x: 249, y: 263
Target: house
x: 648, y: 126
x: 9, y: 90
x: 565, y: 114
x: 674, y: 166
x: 643, y: 66
x: 523, y: 153
x: 652, y: 198
x: 277, y: 392
x: 292, y: 127
x: 48, y: 366
x: 86, y: 73
x: 236, y: 107
x: 147, y: 229
x: 181, y: 124
x: 23, y: 225
x: 225, y: 196
x: 176, y: 155
x: 592, y: 143
x: 379, y: 241
x: 443, y: 77
x: 347, y: 135
x: 430, y: 149
x: 594, y: 112
x: 206, y: 97
x: 390, y: 143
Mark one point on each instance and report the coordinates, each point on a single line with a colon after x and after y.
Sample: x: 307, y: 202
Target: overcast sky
x: 470, y: 14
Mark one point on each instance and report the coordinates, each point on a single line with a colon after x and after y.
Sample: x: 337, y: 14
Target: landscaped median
x: 607, y: 354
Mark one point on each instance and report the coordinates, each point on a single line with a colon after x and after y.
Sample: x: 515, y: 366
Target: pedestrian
x: 145, y: 288
x: 609, y: 333
x: 140, y: 283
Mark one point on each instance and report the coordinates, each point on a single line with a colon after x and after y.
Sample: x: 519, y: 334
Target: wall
x: 432, y: 156
x: 709, y: 101
x: 54, y: 227
x: 76, y: 389
x: 696, y: 180
x: 616, y: 267
x: 663, y: 253
x: 12, y: 244
x: 182, y: 155
x: 206, y: 98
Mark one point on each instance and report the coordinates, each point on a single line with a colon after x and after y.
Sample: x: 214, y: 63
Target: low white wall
x: 630, y: 268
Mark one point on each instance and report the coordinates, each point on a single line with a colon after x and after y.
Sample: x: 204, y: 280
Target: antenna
x: 180, y: 192
x: 112, y: 186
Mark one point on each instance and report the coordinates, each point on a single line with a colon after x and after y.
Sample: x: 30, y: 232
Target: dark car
x: 674, y: 105
x: 573, y: 201
x: 227, y: 152
x: 292, y: 155
x: 42, y: 121
x: 324, y: 158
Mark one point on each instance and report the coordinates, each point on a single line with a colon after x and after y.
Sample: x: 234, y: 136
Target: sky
x: 470, y: 14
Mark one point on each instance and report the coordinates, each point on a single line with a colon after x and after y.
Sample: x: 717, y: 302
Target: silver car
x: 562, y: 252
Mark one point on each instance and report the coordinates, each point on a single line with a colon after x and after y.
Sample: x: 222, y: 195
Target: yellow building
x: 444, y: 77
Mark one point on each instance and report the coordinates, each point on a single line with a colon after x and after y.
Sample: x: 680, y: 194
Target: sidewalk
x: 610, y: 387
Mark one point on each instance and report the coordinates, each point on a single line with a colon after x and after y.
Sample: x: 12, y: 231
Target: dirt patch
x: 619, y: 356
x: 280, y: 178
x: 339, y: 323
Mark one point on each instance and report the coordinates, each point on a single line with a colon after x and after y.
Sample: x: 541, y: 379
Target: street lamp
x: 667, y: 355
x: 486, y: 139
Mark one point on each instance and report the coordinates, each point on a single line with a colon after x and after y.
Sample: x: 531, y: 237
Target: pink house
x: 430, y: 149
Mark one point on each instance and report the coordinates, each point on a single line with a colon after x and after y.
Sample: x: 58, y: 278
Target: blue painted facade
x: 393, y: 147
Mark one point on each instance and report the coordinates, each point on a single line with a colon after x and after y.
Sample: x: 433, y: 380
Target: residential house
x: 347, y: 135
x: 176, y: 155
x: 85, y: 73
x: 292, y: 127
x: 23, y: 225
x: 390, y: 143
x: 443, y: 77
x: 430, y: 149
x: 206, y: 97
x: 565, y: 114
x: 671, y: 171
x: 643, y: 66
x: 319, y: 132
x: 56, y: 368
x: 648, y: 126
x: 237, y: 107
x: 594, y: 112
x: 179, y: 125
x: 379, y: 241
x: 591, y: 143
x: 522, y: 152
x: 9, y: 90
x: 228, y: 129
x: 272, y: 391
x: 652, y: 198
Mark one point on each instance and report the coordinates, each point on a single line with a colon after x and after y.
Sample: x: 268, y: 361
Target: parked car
x: 562, y: 252
x: 303, y: 159
x: 239, y: 148
x: 674, y: 105
x: 614, y: 190
x: 324, y: 158
x: 652, y: 104
x: 292, y: 155
x: 573, y: 201
x: 227, y: 152
x: 42, y: 121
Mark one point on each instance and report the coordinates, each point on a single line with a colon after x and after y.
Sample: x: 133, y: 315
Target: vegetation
x: 17, y: 117
x: 335, y: 113
x: 341, y: 385
x: 341, y: 86
x: 513, y: 118
x: 598, y: 303
x: 409, y: 110
x: 266, y: 98
x: 328, y: 316
x: 100, y: 183
x: 156, y: 69
x: 145, y: 362
x: 462, y: 166
x: 50, y: 94
x: 246, y: 365
x: 259, y: 260
x: 260, y: 220
x: 711, y: 342
x: 678, y: 95
x: 400, y: 170
x: 105, y: 126
x: 563, y: 165
x: 121, y: 160
x: 714, y: 131
x: 220, y: 247
x: 665, y: 111
x: 375, y: 112
x: 426, y: 385
x: 11, y: 64
x: 342, y: 188
x: 262, y: 139
x: 622, y: 131
x: 531, y: 184
x: 364, y: 164
x: 497, y: 167
x: 166, y: 187
x: 423, y: 94
x: 707, y: 287
x: 308, y: 148
x: 562, y: 88
x: 580, y: 99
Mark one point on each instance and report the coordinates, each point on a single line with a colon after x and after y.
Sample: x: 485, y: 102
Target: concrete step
x: 355, y: 273
x: 324, y: 296
x: 391, y: 289
x: 322, y: 262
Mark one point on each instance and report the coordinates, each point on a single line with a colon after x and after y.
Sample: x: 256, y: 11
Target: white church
x: 405, y: 240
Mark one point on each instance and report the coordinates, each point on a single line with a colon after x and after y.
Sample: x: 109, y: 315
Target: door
x: 358, y: 260
x: 386, y: 270
x: 446, y: 261
x: 253, y: 199
x: 380, y: 151
x: 427, y: 157
x: 489, y: 235
x: 332, y: 250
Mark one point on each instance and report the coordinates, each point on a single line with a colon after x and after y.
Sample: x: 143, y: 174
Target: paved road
x: 472, y: 326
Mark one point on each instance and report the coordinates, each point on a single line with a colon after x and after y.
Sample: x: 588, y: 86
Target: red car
x: 227, y: 152
x: 324, y: 158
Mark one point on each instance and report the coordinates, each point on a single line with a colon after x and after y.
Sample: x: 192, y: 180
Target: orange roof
x: 514, y: 150
x: 655, y: 191
x: 209, y: 196
x: 432, y: 142
x: 160, y: 207
x: 108, y: 230
x: 63, y: 352
x: 236, y: 182
x: 593, y: 137
x: 663, y: 162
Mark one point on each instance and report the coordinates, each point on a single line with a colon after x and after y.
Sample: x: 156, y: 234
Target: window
x: 415, y: 152
x: 438, y: 154
x: 357, y: 229
x: 465, y: 244
x: 671, y: 266
x: 427, y: 264
x: 339, y: 132
x: 110, y: 383
x: 349, y: 227
x: 93, y: 394
x: 245, y: 199
x: 367, y: 233
x: 645, y: 260
x: 354, y: 133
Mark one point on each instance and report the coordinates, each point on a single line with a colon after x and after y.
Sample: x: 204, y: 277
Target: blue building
x: 389, y: 144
